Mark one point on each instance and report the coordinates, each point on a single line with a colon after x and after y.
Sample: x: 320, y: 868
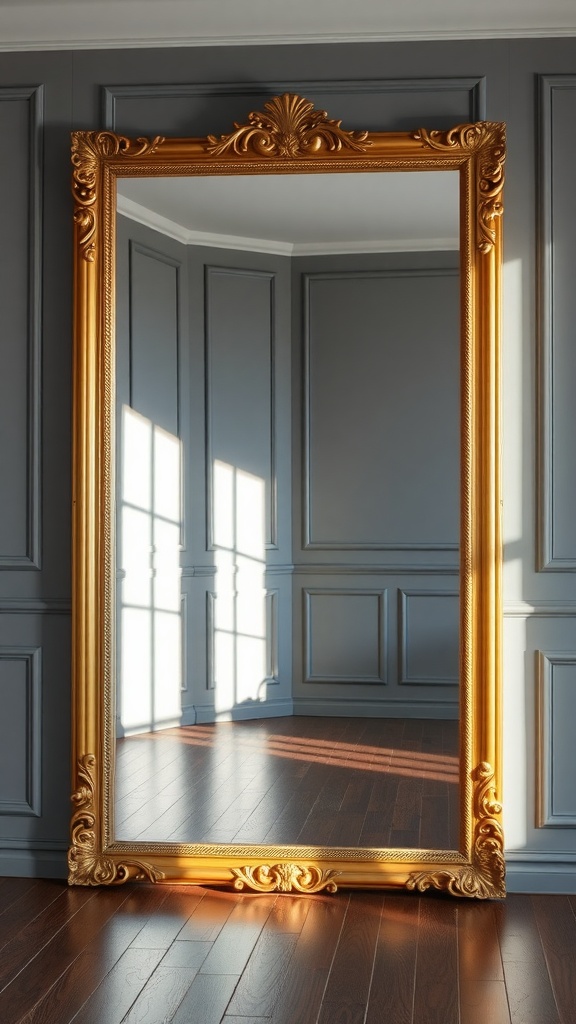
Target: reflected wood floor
x: 303, y: 780
x: 190, y: 955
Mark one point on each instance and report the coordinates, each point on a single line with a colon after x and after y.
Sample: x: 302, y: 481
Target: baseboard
x: 539, y: 875
x: 337, y: 708
x: 38, y: 862
x: 245, y: 712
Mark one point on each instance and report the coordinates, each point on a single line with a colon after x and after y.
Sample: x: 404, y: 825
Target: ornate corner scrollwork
x: 86, y: 866
x: 484, y: 878
x: 285, y: 878
x: 488, y: 140
x: 88, y: 150
x: 290, y: 127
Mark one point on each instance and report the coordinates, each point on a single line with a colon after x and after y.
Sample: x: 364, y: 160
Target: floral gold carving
x: 484, y: 877
x: 86, y: 865
x: 487, y: 139
x: 285, y: 878
x: 288, y: 127
x: 88, y: 150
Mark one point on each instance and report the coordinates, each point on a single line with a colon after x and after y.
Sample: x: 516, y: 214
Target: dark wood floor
x: 188, y: 955
x: 303, y: 780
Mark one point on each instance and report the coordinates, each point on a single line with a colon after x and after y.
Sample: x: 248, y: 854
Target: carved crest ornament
x: 289, y: 134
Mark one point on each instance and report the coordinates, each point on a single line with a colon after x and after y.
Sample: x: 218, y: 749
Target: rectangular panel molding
x: 20, y: 731
x: 345, y: 636
x: 347, y: 387
x: 428, y: 630
x: 240, y: 449
x: 466, y: 98
x: 21, y: 125
x: 556, y: 761
x: 556, y: 353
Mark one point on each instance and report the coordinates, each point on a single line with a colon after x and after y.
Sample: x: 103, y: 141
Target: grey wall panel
x: 154, y: 336
x: 35, y: 740
x: 240, y: 411
x: 556, y: 683
x: 20, y: 731
x: 345, y: 636
x: 151, y: 463
x: 381, y: 393
x: 428, y: 636
x: 557, y: 364
x: 394, y: 104
x: 21, y: 124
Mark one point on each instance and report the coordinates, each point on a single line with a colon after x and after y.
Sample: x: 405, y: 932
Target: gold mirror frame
x: 289, y: 137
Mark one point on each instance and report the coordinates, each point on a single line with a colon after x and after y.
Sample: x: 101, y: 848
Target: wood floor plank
x: 392, y: 991
x: 301, y: 990
x: 348, y: 986
x: 12, y: 890
x: 120, y: 988
x: 209, y: 917
x: 530, y: 996
x: 78, y: 983
x: 40, y: 932
x: 176, y: 909
x: 29, y: 985
x: 245, y: 1020
x: 233, y: 947
x: 257, y: 990
x: 557, y: 928
x: 31, y: 900
x: 481, y: 975
x: 186, y: 953
x: 161, y: 996
x: 206, y: 999
x: 436, y: 995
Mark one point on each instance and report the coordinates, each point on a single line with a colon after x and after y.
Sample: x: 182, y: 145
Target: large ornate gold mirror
x: 286, y: 507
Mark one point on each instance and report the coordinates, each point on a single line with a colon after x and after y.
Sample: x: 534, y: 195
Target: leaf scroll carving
x: 88, y: 151
x: 487, y: 139
x: 85, y: 864
x: 285, y: 878
x: 484, y: 878
x: 289, y: 126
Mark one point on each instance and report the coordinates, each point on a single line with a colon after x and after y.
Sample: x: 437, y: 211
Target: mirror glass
x: 287, y: 509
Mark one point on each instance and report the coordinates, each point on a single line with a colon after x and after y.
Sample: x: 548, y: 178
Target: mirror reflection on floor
x: 301, y: 780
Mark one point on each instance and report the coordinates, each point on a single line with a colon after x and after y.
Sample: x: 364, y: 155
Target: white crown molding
x: 184, y: 41
x: 135, y: 211
x: 129, y: 24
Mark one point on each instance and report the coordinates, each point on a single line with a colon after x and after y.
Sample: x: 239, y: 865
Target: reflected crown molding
x: 149, y: 218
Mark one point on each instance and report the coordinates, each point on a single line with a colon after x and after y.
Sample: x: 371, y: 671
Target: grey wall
x: 187, y: 92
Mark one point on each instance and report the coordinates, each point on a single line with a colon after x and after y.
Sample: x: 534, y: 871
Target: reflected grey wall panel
x: 382, y: 410
x: 154, y: 340
x: 240, y: 396
x: 345, y: 637
x: 428, y: 637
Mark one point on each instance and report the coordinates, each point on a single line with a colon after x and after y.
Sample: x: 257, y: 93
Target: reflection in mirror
x: 287, y: 510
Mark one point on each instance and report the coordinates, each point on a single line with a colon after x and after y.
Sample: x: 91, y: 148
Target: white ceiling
x: 296, y: 214
x: 57, y: 24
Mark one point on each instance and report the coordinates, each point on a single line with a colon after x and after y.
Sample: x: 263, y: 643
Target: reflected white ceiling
x: 57, y: 24
x: 295, y: 214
